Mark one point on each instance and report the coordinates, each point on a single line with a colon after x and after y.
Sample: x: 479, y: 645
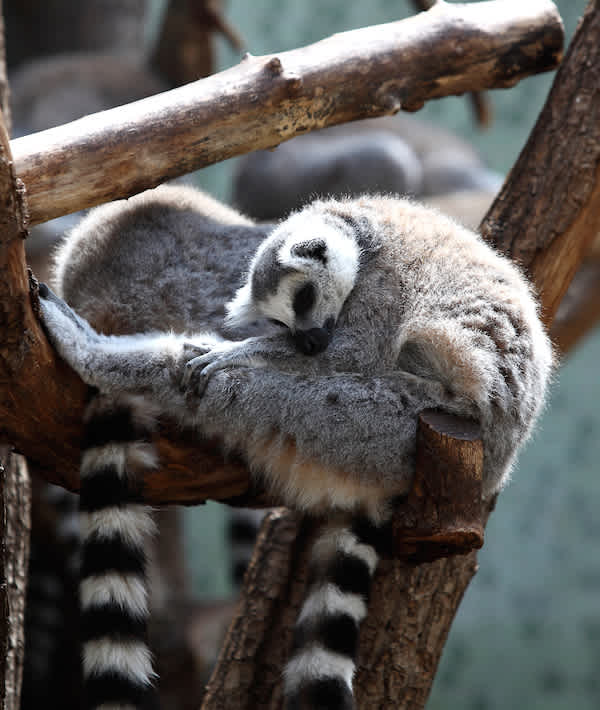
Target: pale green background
x: 528, y: 631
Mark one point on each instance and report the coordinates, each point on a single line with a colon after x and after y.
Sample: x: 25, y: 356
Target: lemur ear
x: 311, y: 249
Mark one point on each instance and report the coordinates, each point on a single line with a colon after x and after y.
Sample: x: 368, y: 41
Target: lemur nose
x: 312, y: 341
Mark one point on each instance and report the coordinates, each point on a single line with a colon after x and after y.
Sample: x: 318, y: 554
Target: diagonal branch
x: 266, y: 100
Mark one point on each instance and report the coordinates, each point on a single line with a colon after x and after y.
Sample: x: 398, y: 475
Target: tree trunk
x: 185, y: 50
x: 14, y: 554
x: 14, y: 480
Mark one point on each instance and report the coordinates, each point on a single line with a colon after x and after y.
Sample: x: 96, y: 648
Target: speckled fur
x: 436, y: 319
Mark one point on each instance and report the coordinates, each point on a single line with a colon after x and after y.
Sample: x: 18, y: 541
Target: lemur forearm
x: 245, y: 407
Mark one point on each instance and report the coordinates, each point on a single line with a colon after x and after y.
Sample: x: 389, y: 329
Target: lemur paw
x: 224, y: 355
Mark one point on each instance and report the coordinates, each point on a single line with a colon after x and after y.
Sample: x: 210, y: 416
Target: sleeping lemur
x: 389, y: 308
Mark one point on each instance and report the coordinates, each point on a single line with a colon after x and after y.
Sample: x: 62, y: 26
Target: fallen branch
x: 266, y: 100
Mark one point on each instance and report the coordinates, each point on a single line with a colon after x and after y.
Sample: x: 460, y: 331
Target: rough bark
x: 14, y: 479
x: 548, y: 211
x: 14, y: 554
x: 441, y: 517
x: 482, y: 109
x: 266, y: 100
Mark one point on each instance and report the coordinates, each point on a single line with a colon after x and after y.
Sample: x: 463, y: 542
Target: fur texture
x: 429, y: 317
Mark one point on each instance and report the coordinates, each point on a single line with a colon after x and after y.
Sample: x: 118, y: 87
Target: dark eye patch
x: 304, y: 299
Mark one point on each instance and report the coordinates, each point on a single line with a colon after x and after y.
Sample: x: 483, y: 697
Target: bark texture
x: 548, y: 212
x: 14, y: 554
x: 266, y: 100
x: 14, y: 480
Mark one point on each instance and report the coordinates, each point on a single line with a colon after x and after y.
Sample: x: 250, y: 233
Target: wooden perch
x: 442, y: 515
x: 449, y: 467
x: 266, y: 100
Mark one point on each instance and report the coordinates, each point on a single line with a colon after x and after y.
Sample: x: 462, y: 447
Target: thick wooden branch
x: 442, y: 515
x: 266, y: 100
x: 482, y: 110
x: 548, y: 212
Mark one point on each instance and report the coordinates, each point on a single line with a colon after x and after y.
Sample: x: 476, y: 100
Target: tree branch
x: 480, y: 103
x: 266, y: 100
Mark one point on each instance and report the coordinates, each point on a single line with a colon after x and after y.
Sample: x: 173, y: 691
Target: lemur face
x: 300, y: 278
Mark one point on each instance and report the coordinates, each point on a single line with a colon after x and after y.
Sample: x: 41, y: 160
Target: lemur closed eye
x: 300, y: 283
x: 389, y: 307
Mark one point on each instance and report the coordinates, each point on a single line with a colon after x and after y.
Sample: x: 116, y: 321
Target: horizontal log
x: 265, y: 100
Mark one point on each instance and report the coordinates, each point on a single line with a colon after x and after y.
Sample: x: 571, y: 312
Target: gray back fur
x: 166, y: 259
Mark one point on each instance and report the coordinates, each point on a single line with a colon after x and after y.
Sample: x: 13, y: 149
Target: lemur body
x: 400, y: 309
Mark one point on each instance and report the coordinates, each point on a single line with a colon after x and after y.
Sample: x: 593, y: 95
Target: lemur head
x: 300, y: 277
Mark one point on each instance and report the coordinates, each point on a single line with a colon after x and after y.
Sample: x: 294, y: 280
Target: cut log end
x: 442, y: 514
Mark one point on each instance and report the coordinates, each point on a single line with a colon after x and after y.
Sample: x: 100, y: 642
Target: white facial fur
x: 332, y: 272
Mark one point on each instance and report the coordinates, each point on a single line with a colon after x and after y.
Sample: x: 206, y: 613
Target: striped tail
x: 117, y: 665
x: 319, y: 674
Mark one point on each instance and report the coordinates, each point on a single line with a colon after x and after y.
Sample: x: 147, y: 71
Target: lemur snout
x: 312, y: 341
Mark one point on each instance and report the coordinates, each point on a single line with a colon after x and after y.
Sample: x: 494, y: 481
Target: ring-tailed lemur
x: 401, y: 310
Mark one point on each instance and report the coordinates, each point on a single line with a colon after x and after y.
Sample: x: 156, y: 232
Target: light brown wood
x: 266, y: 100
x: 442, y: 515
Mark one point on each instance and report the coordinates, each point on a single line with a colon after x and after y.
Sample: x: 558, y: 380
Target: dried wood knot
x: 274, y: 66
